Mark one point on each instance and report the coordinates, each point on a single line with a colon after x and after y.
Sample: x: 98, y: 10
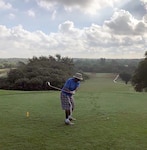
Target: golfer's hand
x: 72, y: 92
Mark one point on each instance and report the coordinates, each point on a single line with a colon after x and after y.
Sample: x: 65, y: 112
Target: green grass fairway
x: 110, y: 116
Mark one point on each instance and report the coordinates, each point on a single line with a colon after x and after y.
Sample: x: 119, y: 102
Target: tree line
x: 32, y: 74
x: 104, y: 65
x: 35, y: 74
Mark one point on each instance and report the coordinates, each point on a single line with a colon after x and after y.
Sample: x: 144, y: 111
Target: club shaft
x: 55, y: 88
x: 58, y: 88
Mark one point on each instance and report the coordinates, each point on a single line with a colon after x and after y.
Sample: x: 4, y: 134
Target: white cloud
x: 111, y: 40
x: 123, y: 23
x: 54, y: 14
x: 4, y: 5
x: 31, y: 13
x: 144, y: 2
x: 121, y: 36
x: 145, y: 18
x: 46, y: 5
x: 86, y: 6
x: 66, y: 27
x: 12, y: 16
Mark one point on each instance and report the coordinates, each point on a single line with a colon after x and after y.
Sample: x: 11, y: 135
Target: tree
x: 22, y: 84
x: 15, y: 74
x: 34, y: 74
x: 139, y: 79
x: 125, y: 77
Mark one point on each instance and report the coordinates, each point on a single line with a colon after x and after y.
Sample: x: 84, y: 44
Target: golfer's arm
x: 66, y: 90
x: 76, y: 89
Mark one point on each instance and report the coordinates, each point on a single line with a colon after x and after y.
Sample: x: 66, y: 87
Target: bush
x: 14, y: 75
x: 22, y: 84
x: 35, y: 84
x: 35, y: 74
x: 4, y: 84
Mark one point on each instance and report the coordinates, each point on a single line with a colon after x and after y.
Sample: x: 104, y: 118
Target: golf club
x: 49, y: 84
x: 54, y: 87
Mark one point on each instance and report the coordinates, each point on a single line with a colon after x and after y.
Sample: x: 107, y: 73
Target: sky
x: 113, y: 29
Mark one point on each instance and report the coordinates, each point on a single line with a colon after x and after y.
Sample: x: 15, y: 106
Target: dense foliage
x: 139, y: 79
x: 32, y: 74
x: 126, y: 77
x: 124, y: 67
x: 35, y: 74
x: 106, y: 65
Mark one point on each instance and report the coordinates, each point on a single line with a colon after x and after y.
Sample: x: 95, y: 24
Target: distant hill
x: 11, y: 62
x: 100, y: 65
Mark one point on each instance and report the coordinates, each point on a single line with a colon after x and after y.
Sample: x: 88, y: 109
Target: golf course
x: 110, y: 116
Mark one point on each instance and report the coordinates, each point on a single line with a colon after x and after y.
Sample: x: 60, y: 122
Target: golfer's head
x: 78, y: 76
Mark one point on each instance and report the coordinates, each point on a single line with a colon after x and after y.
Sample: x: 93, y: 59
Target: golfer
x: 67, y: 99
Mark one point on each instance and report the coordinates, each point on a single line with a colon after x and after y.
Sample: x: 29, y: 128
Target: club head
x: 48, y: 83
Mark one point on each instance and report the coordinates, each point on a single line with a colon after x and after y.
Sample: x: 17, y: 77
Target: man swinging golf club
x: 67, y: 99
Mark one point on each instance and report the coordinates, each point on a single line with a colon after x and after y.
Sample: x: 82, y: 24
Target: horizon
x: 78, y: 58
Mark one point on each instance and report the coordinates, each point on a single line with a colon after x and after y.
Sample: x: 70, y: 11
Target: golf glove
x: 72, y: 92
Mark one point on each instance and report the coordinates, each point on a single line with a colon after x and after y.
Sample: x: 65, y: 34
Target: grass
x: 109, y: 117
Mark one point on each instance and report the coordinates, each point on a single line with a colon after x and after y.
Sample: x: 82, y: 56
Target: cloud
x: 145, y: 18
x: 12, y: 16
x: 22, y: 43
x: 67, y: 27
x: 145, y: 3
x: 4, y: 5
x: 137, y: 8
x: 31, y: 13
x: 122, y: 36
x: 46, y: 5
x: 85, y: 6
x: 54, y: 14
x: 120, y: 22
x: 123, y: 23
